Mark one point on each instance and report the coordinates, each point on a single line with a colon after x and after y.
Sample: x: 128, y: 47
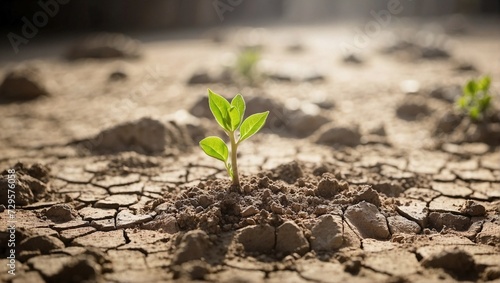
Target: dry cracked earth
x: 380, y: 180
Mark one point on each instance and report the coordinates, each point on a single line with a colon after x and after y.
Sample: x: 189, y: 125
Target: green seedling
x: 230, y: 117
x: 475, y: 99
x: 246, y: 64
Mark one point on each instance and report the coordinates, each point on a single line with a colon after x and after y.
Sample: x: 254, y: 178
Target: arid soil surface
x: 365, y: 171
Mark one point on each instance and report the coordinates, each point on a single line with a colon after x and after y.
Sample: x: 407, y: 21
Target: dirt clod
x: 454, y: 261
x: 328, y: 186
x: 31, y: 183
x: 290, y: 239
x: 104, y: 45
x: 41, y: 243
x: 332, y: 134
x: 326, y: 235
x: 367, y: 220
x: 146, y: 136
x: 258, y: 238
x: 59, y: 213
x: 472, y: 208
x: 193, y: 246
x: 24, y: 82
x: 439, y: 220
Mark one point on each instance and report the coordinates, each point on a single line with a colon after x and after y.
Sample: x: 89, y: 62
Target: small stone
x: 249, y: 211
x: 258, y: 238
x: 290, y: 239
x: 367, y: 220
x: 193, y: 246
x: 326, y: 235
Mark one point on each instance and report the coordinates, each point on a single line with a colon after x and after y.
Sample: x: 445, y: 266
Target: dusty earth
x: 365, y: 172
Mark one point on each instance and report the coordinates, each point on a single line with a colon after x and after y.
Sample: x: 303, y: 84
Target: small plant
x: 246, y: 64
x: 230, y: 117
x: 475, y: 99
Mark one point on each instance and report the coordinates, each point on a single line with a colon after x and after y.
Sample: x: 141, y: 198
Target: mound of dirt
x: 31, y: 183
x: 145, y: 136
x: 25, y: 82
x: 104, y: 46
x: 456, y: 128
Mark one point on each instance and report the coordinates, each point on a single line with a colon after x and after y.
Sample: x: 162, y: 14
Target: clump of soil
x: 105, y: 45
x: 273, y: 204
x: 25, y: 82
x: 455, y: 127
x: 146, y: 135
x: 31, y: 183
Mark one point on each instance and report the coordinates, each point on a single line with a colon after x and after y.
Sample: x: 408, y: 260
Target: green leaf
x: 235, y: 118
x: 220, y: 109
x: 474, y: 113
x: 462, y: 103
x: 484, y: 84
x: 252, y: 125
x: 215, y: 147
x: 484, y: 103
x: 239, y: 103
x: 471, y: 88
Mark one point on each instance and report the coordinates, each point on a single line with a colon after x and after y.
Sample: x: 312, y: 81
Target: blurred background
x: 117, y: 15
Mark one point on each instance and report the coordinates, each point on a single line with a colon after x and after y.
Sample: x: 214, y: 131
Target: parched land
x: 365, y: 171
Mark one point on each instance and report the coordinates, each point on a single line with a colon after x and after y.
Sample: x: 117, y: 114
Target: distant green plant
x: 246, y: 64
x: 475, y: 99
x: 230, y: 117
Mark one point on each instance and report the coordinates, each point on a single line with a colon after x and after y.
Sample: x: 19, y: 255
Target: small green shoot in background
x: 476, y: 98
x: 246, y: 64
x: 230, y: 117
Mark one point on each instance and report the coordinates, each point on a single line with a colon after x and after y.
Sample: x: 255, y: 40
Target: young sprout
x: 475, y: 99
x: 230, y: 117
x: 246, y: 64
